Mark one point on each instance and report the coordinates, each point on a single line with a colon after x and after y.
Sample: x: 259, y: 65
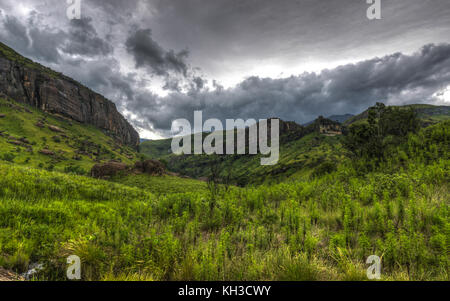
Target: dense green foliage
x: 385, y: 127
x: 161, y: 185
x: 318, y: 226
x: 296, y: 158
x: 304, y: 150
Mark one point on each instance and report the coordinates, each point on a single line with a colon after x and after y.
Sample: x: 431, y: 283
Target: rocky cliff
x: 33, y: 84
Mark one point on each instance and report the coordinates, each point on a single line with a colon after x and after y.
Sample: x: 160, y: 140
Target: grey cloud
x: 393, y: 79
x: 148, y: 53
x: 172, y: 66
x: 43, y: 43
x: 15, y: 32
x: 228, y: 39
x: 82, y: 38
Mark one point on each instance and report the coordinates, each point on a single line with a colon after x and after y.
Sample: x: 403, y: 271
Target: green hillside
x: 303, y: 152
x: 428, y: 114
x: 319, y: 228
x: 297, y: 157
x: 33, y: 138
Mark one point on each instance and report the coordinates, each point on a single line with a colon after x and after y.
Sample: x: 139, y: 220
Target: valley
x: 373, y: 184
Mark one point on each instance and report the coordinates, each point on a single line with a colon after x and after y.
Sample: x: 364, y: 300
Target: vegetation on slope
x: 319, y: 227
x: 31, y: 137
x: 158, y: 185
x: 301, y: 149
x: 428, y: 114
x: 304, y: 150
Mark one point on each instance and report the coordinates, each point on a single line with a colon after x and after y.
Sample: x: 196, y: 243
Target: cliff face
x: 30, y: 83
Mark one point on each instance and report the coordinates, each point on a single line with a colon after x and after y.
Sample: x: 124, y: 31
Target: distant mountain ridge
x: 302, y: 148
x: 339, y: 118
x: 31, y: 83
x: 428, y: 114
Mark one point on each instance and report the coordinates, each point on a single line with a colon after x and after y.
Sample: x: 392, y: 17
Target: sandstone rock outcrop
x: 109, y: 169
x: 328, y: 127
x: 30, y: 83
x: 47, y: 152
x: 113, y: 168
x: 151, y: 167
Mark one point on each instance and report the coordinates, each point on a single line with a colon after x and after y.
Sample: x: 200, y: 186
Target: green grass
x: 166, y: 184
x: 155, y: 149
x: 297, y: 158
x: 20, y: 122
x: 321, y: 227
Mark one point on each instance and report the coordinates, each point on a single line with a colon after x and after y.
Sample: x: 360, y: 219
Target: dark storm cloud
x: 44, y: 43
x: 148, y: 53
x: 82, y: 39
x: 221, y: 32
x: 39, y: 42
x: 17, y: 30
x: 254, y: 43
x: 393, y: 79
x: 171, y: 65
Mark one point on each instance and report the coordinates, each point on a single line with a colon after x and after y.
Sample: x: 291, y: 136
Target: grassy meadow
x: 25, y: 131
x: 320, y: 225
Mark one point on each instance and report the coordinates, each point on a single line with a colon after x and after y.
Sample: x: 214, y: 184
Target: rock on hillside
x: 151, y: 167
x: 6, y: 275
x: 30, y: 83
x: 107, y: 170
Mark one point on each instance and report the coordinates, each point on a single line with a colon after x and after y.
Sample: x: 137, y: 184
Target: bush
x: 75, y: 169
x: 9, y: 157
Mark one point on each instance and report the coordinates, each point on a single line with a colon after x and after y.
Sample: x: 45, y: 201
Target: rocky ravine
x: 30, y: 83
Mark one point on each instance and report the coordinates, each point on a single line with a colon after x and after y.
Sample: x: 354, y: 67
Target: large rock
x: 33, y: 84
x: 107, y: 170
x: 151, y: 167
x: 47, y: 152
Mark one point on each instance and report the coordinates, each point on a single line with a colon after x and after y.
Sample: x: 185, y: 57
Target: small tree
x: 386, y: 126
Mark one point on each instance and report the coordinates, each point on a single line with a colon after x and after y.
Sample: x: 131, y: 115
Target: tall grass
x: 320, y: 228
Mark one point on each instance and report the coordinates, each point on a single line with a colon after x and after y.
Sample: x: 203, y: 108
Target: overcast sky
x: 160, y: 60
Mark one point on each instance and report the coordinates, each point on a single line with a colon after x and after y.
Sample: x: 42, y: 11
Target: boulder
x: 55, y: 129
x: 15, y: 142
x: 24, y: 140
x: 47, y: 152
x: 108, y: 169
x: 151, y: 167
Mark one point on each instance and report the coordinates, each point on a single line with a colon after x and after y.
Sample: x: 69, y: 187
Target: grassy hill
x: 298, y: 157
x: 303, y: 152
x: 31, y: 137
x: 320, y: 228
x: 428, y: 114
x: 316, y: 215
